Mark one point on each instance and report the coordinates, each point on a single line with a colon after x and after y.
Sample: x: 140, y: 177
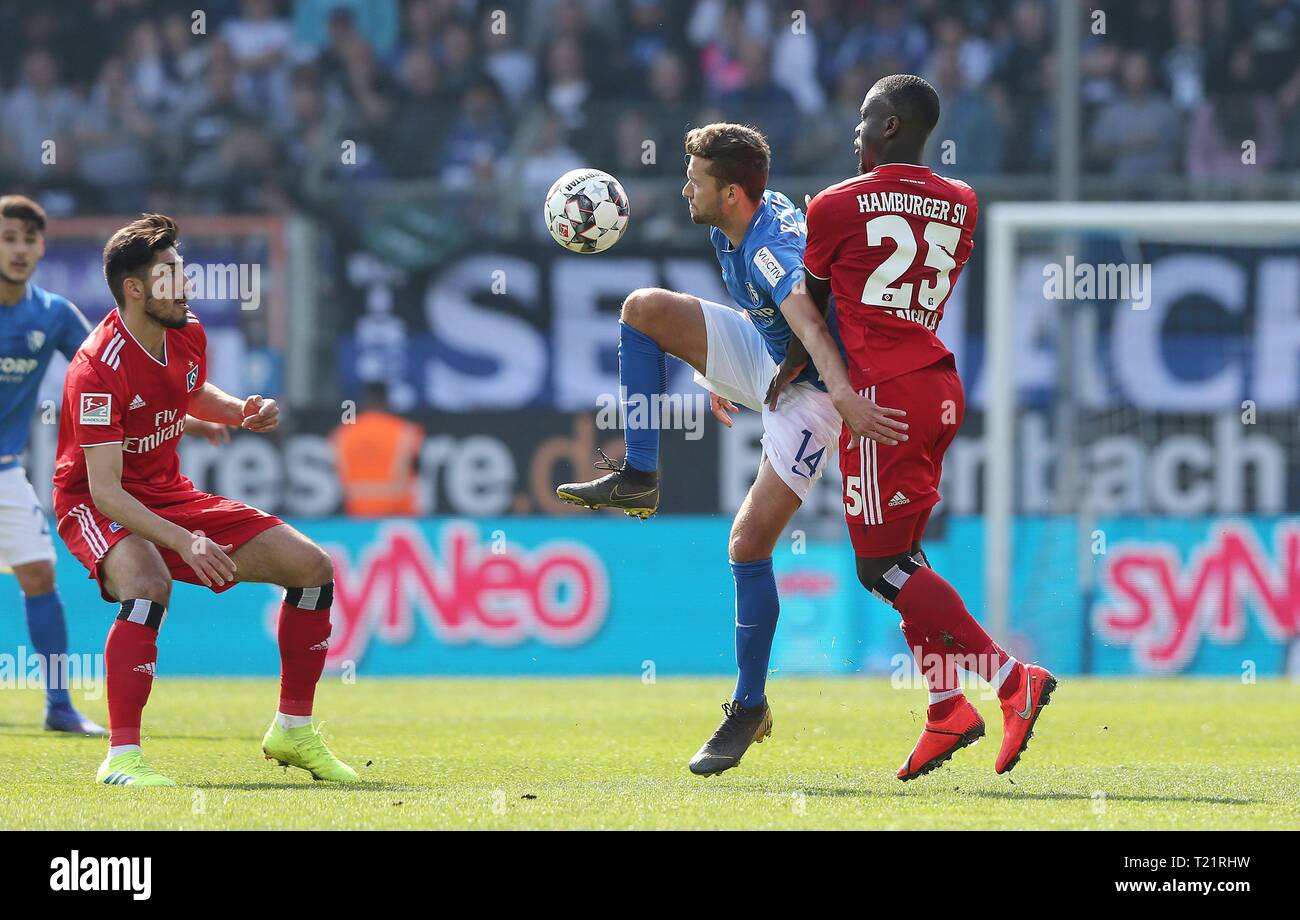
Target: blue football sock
x: 757, y: 608
x: 50, y: 637
x: 642, y: 374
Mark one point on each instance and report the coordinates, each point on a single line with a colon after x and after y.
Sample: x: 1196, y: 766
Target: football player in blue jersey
x: 34, y: 324
x: 748, y: 356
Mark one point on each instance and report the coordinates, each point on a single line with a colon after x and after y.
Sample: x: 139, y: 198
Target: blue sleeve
x: 73, y: 331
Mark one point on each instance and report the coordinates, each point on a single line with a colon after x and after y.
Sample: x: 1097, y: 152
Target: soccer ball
x: 586, y: 210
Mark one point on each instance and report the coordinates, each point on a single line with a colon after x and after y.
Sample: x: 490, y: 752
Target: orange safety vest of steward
x: 376, y: 459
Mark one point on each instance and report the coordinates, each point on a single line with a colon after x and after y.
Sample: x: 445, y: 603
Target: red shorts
x: 890, y: 491
x: 90, y: 535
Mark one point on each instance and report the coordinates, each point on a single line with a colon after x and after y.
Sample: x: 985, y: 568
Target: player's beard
x: 168, y: 319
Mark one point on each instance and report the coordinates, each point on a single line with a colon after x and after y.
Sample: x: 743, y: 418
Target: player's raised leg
x: 654, y: 323
x: 283, y: 556
x: 764, y: 514
x: 133, y: 571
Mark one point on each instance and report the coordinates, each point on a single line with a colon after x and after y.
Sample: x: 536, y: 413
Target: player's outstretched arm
x: 864, y: 418
x: 104, y: 471
x: 213, y: 404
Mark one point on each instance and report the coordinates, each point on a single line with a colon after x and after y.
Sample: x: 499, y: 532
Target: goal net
x: 1141, y: 389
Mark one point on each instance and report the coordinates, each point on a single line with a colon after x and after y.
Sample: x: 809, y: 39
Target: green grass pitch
x: 612, y: 753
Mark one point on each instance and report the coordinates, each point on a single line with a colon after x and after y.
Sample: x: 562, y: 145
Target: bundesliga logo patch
x: 96, y: 408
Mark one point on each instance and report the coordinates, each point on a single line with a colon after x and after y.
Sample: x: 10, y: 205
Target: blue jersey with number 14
x: 30, y: 332
x: 763, y: 270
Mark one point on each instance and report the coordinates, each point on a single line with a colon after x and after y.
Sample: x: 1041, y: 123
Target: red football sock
x: 932, y: 606
x: 303, y: 634
x: 129, y: 658
x: 937, y: 666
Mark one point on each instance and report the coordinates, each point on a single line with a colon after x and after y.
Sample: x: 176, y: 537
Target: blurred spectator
x: 377, y: 456
x: 760, y: 101
x: 568, y: 90
x: 1238, y: 115
x: 795, y: 58
x: 37, y: 113
x: 149, y: 80
x: 968, y: 123
x: 220, y: 151
x: 377, y: 21
x: 418, y: 127
x: 672, y: 109
x: 478, y: 137
x: 311, y: 137
x: 506, y: 61
x: 891, y: 32
x: 1137, y: 135
x: 1185, y: 63
x: 113, y: 140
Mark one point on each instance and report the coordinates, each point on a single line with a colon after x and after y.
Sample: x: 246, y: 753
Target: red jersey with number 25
x: 892, y: 243
x: 117, y: 392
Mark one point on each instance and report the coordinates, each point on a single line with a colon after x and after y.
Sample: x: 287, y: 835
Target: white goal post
x: 1224, y: 222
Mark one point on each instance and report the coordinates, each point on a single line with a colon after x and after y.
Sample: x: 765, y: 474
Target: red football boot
x: 1020, y: 712
x: 941, y: 739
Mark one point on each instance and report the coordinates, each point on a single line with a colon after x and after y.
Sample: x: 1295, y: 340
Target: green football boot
x: 129, y: 769
x: 305, y: 749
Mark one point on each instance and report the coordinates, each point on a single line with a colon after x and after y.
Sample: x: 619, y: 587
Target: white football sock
x: 1004, y: 672
x: 938, y: 696
x: 115, y: 749
x: 292, y: 721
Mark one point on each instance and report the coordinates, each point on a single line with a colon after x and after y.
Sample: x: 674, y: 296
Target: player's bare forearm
x: 211, y: 432
x: 254, y: 413
x: 809, y: 325
x: 210, y: 403
x: 862, y: 416
x: 104, y: 472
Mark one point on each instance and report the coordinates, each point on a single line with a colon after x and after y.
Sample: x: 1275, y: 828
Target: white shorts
x: 802, y: 436
x: 24, y: 526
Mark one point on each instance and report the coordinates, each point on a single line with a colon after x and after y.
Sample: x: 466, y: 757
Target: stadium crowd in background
x: 253, y: 114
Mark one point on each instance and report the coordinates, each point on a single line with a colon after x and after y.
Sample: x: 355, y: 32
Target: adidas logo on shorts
x: 146, y: 668
x: 320, y: 646
x: 898, y: 499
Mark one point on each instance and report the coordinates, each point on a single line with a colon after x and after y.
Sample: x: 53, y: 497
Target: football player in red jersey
x: 890, y: 243
x: 130, y: 517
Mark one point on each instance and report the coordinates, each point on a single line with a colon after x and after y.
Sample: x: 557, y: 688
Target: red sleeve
x: 96, y: 403
x: 823, y: 237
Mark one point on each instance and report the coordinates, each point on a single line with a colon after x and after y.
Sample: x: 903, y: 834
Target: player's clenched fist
x: 260, y: 414
x: 868, y: 420
x: 208, y: 559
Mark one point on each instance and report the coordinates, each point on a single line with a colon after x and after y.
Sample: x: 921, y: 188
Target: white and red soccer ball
x: 586, y: 210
